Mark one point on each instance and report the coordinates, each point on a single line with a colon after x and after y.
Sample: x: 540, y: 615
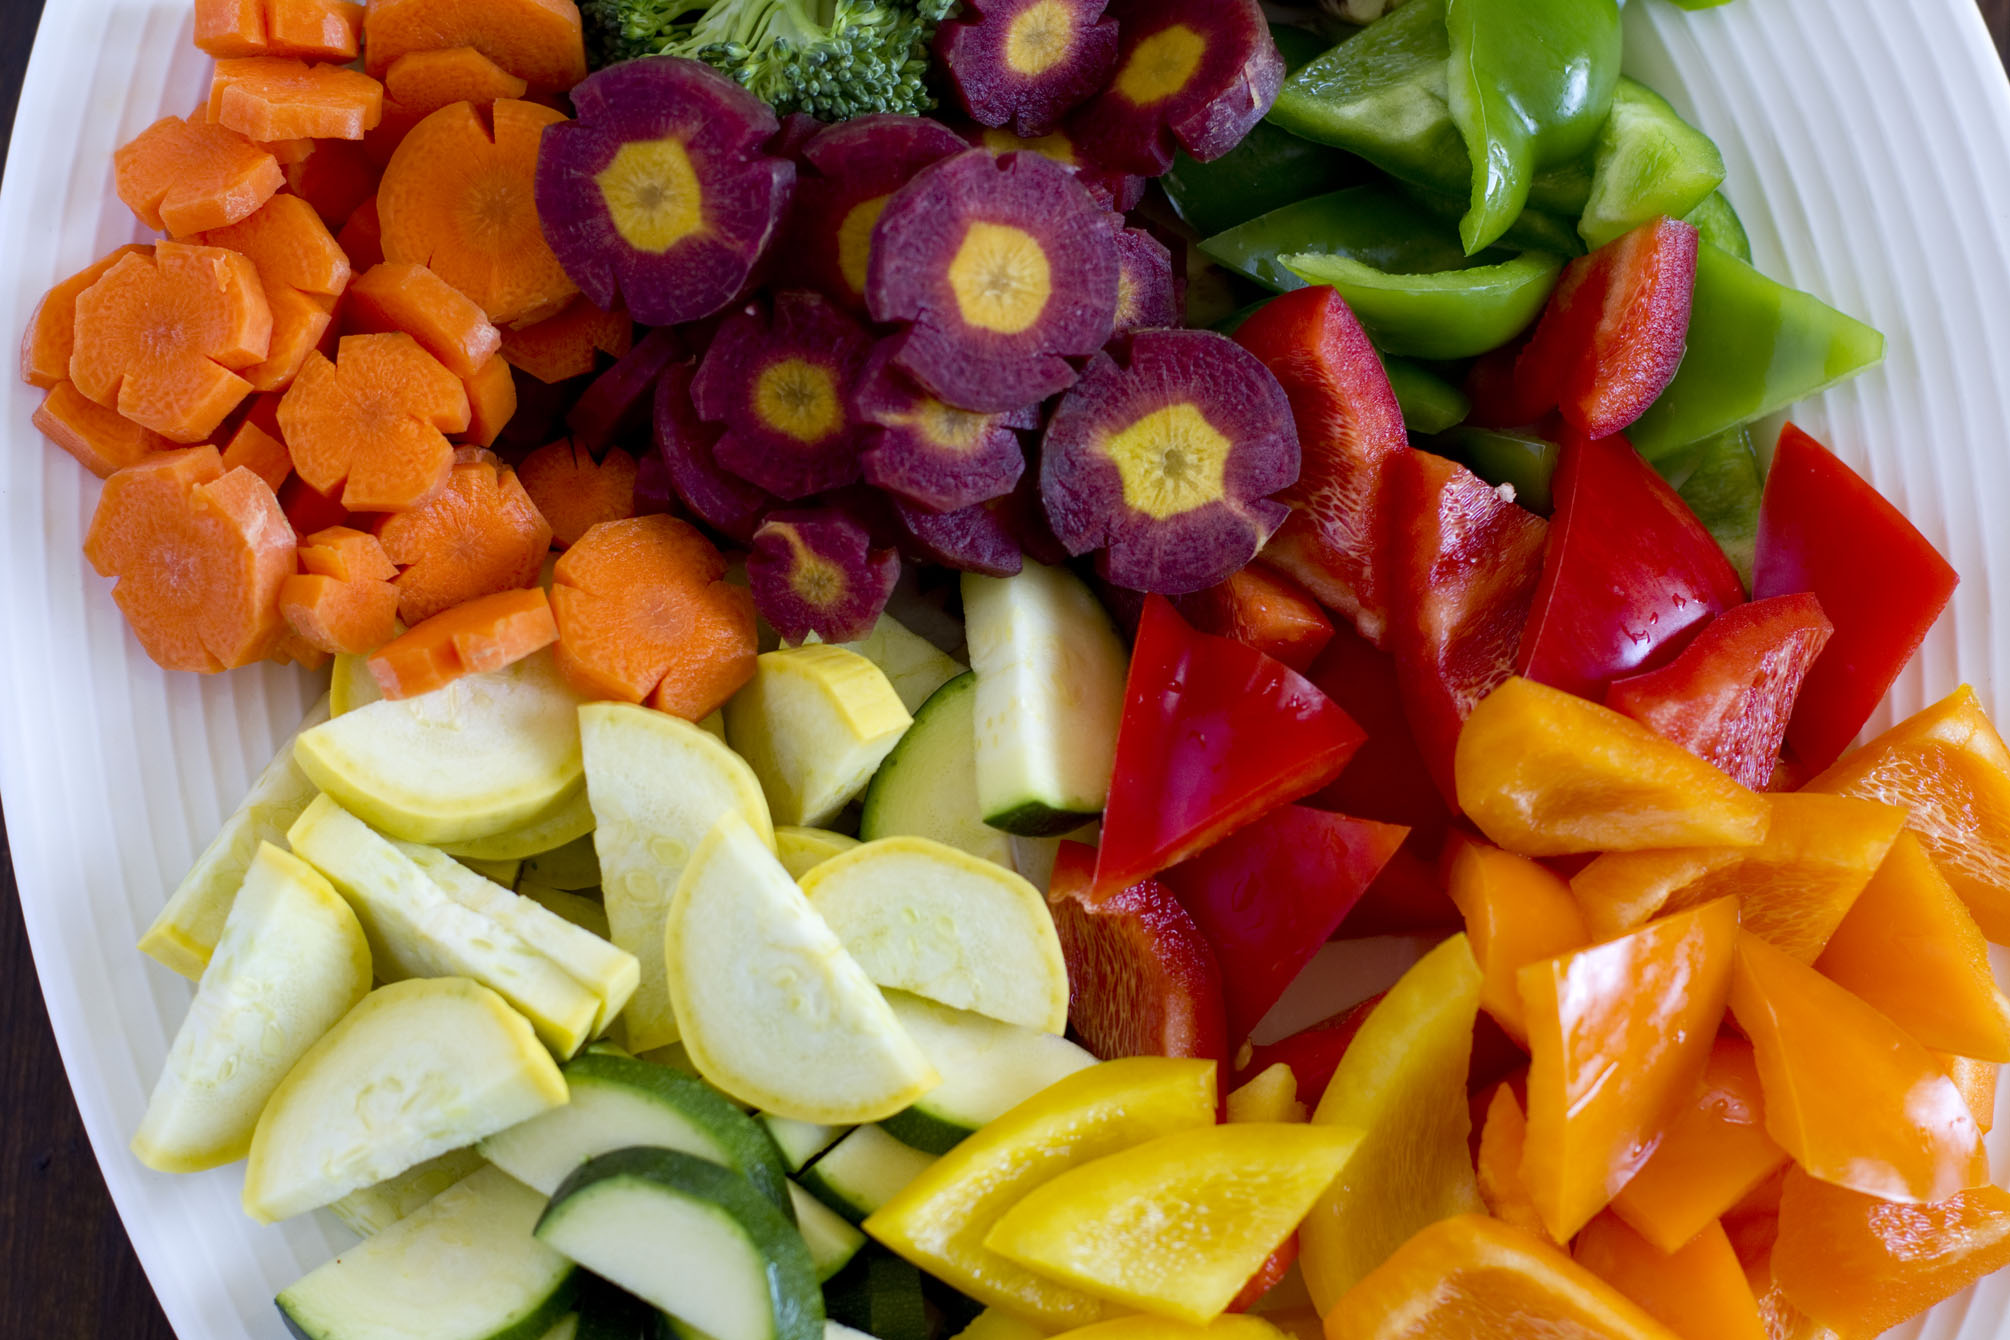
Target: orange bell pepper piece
x: 1474, y: 1278
x: 1977, y: 1082
x: 1860, y: 1265
x: 1792, y: 889
x: 1699, y: 1291
x: 1618, y: 1036
x: 1545, y: 773
x: 1848, y: 1093
x: 1713, y: 1152
x: 1783, y: 1321
x: 1949, y: 767
x: 1516, y: 913
x: 1910, y: 949
x: 1503, y: 1138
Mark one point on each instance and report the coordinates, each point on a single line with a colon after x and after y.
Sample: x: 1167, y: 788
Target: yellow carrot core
x: 1171, y: 461
x: 653, y: 194
x: 1040, y: 38
x: 1001, y: 278
x: 1161, y: 65
x: 855, y: 241
x: 799, y: 399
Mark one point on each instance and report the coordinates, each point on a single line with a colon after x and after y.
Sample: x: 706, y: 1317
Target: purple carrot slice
x: 929, y: 453
x: 662, y: 193
x: 618, y: 402
x: 1163, y: 456
x: 855, y: 167
x: 1148, y: 296
x: 1027, y: 63
x: 969, y: 539
x: 1116, y: 191
x: 1191, y: 74
x: 814, y: 571
x: 686, y: 445
x: 653, y: 490
x: 1002, y: 269
x: 781, y: 385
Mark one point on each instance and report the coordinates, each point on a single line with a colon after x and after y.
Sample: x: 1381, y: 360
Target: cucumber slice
x: 417, y: 929
x: 375, y: 1208
x: 292, y: 961
x: 619, y: 1103
x: 1050, y: 694
x: 832, y: 1241
x: 572, y: 867
x: 922, y: 917
x: 881, y: 1296
x: 864, y: 1171
x: 988, y: 1067
x: 185, y: 933
x: 567, y: 822
x: 928, y: 785
x: 800, y: 1141
x: 773, y: 1010
x: 658, y: 786
x: 804, y: 849
x: 418, y: 1068
x: 692, y: 1238
x: 465, y: 1266
x: 814, y: 723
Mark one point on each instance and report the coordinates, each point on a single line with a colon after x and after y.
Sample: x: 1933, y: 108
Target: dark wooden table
x: 66, y: 1268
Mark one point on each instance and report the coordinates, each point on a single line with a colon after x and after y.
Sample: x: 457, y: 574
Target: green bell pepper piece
x: 1755, y: 346
x: 1535, y: 230
x: 1720, y: 479
x: 1375, y: 224
x: 1648, y: 162
x: 1524, y: 462
x: 1530, y: 84
x: 1430, y: 403
x: 1717, y: 223
x: 1382, y: 94
x: 1441, y: 314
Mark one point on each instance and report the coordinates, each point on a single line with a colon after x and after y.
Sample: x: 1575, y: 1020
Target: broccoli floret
x: 831, y: 58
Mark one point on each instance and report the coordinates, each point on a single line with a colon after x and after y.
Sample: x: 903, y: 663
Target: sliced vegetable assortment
x: 852, y: 731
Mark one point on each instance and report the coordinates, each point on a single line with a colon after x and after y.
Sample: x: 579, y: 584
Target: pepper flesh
x: 1517, y: 913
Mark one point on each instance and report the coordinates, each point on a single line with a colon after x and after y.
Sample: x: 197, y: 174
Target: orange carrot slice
x: 160, y: 338
x: 308, y: 29
x: 645, y: 613
x: 479, y: 534
x: 199, y: 555
x: 288, y: 648
x: 491, y: 402
x: 362, y: 236
x: 285, y: 152
x: 482, y: 635
x: 331, y: 615
x: 460, y: 198
x: 274, y: 98
x: 102, y: 440
x: 336, y: 178
x: 258, y: 451
x: 562, y: 346
x: 183, y: 177
x: 575, y: 492
x: 52, y: 330
x: 537, y: 40
x: 308, y: 509
x: 422, y: 82
x: 374, y: 422
x: 346, y: 554
x: 290, y: 244
x: 299, y: 321
x: 411, y: 298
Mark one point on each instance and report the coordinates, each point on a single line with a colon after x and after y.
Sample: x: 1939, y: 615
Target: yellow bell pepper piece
x: 1271, y: 1096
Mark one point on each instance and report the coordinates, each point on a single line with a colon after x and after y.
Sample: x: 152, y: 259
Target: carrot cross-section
x: 374, y: 422
x: 479, y: 534
x: 182, y: 177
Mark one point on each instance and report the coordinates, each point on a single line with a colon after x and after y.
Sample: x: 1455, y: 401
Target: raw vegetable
x: 1027, y: 63
x: 267, y: 98
x: 618, y: 404
x: 302, y: 269
x: 422, y: 82
x: 1148, y: 295
x: 477, y: 637
x: 478, y: 535
x: 686, y: 445
x: 814, y: 723
x: 567, y: 823
x: 574, y: 492
x: 1263, y: 610
x: 1443, y: 314
x: 832, y: 1241
x: 802, y: 850
x: 352, y: 611
x: 1516, y: 913
x: 1698, y: 1290
x: 927, y: 786
x: 185, y: 176
x: 929, y: 453
x: 662, y: 192
x: 371, y: 426
x: 446, y: 323
x: 537, y: 40
x: 1648, y: 163
x: 568, y: 343
x: 309, y: 29
x: 781, y: 384
x: 51, y: 336
x: 863, y: 1171
x: 370, y: 1211
x: 851, y: 170
x: 445, y: 1035
x: 988, y: 1067
x: 979, y: 539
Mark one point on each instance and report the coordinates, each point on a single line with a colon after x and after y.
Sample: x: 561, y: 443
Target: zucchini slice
x: 833, y: 1241
x: 988, y: 1067
x: 864, y: 1171
x: 928, y: 785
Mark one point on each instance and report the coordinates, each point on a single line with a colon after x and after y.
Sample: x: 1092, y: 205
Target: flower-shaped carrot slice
x: 478, y: 535
x: 372, y: 424
x: 182, y: 177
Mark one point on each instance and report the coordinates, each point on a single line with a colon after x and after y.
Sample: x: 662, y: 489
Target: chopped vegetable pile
x: 872, y: 653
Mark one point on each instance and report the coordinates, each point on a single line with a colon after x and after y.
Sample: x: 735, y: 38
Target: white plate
x: 1869, y: 151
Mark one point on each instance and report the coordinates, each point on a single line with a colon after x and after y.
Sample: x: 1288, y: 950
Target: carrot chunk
x: 362, y: 236
x: 199, y: 555
x: 336, y: 179
x: 474, y: 638
x: 645, y: 613
x: 52, y: 330
x: 460, y: 198
x: 101, y: 439
x: 575, y: 492
x: 422, y: 82
x: 491, y: 402
x: 161, y: 338
x: 346, y: 554
x: 268, y: 98
x: 299, y: 321
x: 258, y: 451
x: 479, y: 534
x: 290, y: 244
x: 561, y: 347
x: 537, y: 40
x: 309, y: 509
x: 411, y: 298
x: 374, y: 422
x: 308, y: 29
x: 285, y: 152
x: 183, y: 177
x: 342, y: 618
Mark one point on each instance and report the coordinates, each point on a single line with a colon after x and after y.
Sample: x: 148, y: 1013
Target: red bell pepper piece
x: 1214, y: 735
x: 1267, y: 896
x: 1613, y: 334
x: 1822, y: 528
x: 1268, y: 1275
x: 1350, y: 428
x: 1466, y: 562
x: 1142, y: 979
x: 1262, y: 608
x: 1313, y: 1053
x: 1629, y: 573
x: 1727, y: 696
